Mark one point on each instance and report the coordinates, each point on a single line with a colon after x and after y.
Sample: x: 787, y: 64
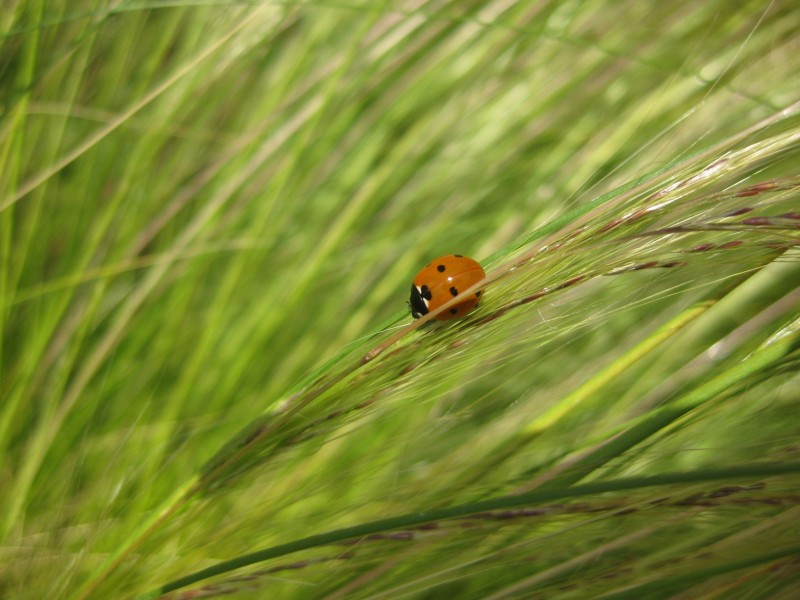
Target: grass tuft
x: 210, y: 213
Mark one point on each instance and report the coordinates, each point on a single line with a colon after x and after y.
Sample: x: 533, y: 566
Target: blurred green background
x: 211, y: 212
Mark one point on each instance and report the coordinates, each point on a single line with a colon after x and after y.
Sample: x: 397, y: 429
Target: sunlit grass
x: 210, y: 214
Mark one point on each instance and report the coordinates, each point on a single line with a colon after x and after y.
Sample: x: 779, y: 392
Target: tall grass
x: 210, y: 214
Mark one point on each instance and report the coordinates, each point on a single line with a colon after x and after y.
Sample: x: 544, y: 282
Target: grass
x: 210, y: 214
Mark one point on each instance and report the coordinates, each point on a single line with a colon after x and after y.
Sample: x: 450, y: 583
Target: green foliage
x: 210, y: 214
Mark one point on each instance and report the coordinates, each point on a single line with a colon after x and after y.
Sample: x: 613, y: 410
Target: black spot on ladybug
x: 440, y: 268
x: 454, y: 291
x: 453, y: 311
x: 425, y: 292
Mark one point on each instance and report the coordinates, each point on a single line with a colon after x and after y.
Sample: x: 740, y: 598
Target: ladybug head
x: 416, y: 303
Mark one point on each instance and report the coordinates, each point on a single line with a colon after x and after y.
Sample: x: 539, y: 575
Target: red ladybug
x: 440, y: 281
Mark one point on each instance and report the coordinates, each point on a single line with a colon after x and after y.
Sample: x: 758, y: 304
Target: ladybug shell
x: 440, y: 281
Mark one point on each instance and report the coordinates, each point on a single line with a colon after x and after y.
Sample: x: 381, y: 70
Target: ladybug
x: 441, y: 280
